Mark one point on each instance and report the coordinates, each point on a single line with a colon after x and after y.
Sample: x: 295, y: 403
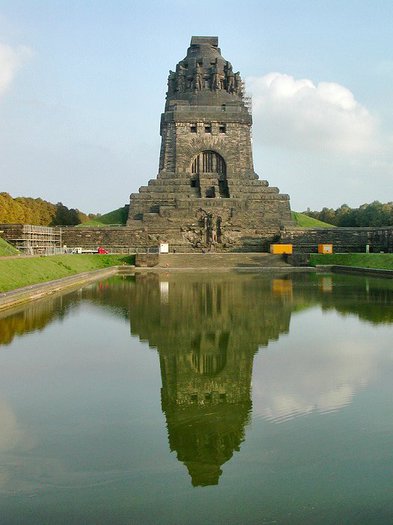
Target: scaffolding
x: 248, y: 102
x: 33, y: 240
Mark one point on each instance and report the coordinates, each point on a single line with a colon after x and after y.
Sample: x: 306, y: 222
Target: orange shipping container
x: 325, y: 248
x: 277, y: 249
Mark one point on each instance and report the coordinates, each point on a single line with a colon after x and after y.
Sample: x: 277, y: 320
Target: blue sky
x: 82, y: 87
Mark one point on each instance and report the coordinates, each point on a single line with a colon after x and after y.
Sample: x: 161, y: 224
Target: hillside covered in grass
x: 119, y: 217
x: 115, y: 217
x: 304, y: 221
x: 6, y: 249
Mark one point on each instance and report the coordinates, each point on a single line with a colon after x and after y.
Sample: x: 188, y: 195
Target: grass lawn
x: 382, y: 261
x: 24, y: 271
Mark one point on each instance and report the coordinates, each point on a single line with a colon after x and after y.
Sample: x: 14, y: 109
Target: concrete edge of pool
x: 20, y: 296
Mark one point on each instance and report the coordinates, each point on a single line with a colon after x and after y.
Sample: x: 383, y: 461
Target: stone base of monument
x: 146, y: 260
x: 221, y: 261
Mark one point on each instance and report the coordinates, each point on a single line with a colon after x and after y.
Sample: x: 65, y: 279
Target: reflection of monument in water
x: 206, y: 342
x: 207, y: 330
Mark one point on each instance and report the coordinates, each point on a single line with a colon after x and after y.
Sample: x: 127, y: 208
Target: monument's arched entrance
x: 209, y: 175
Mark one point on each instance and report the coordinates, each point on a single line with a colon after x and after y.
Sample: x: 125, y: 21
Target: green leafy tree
x: 367, y: 215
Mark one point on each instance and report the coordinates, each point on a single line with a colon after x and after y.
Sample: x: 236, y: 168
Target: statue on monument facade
x: 181, y: 78
x: 171, y: 83
x: 230, y: 78
x: 217, y: 77
x: 198, y: 79
x: 238, y: 85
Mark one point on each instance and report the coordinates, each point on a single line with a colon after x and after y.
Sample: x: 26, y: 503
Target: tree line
x: 26, y: 210
x: 374, y: 214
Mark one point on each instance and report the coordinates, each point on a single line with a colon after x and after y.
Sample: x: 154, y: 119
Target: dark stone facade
x: 207, y: 193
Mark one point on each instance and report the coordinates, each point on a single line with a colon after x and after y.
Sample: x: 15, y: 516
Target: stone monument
x: 207, y: 195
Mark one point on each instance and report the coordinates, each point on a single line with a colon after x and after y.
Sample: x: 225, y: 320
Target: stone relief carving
x: 218, y: 76
x: 210, y: 233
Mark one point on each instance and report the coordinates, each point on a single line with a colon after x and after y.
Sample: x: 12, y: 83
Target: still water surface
x: 202, y: 399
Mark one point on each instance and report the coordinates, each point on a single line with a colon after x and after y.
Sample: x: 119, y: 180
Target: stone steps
x: 221, y: 261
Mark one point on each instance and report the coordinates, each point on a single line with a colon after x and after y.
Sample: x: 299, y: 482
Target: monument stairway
x: 219, y: 261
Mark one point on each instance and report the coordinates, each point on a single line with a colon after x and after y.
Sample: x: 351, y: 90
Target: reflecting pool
x: 198, y: 399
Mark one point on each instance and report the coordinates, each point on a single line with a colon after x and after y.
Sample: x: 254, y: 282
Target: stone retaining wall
x: 305, y: 240
x: 344, y: 240
x: 38, y: 291
x: 116, y: 239
x: 376, y: 272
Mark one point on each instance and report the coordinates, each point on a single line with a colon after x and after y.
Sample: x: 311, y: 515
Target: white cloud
x: 9, y: 431
x: 298, y: 114
x: 300, y: 379
x: 11, y: 59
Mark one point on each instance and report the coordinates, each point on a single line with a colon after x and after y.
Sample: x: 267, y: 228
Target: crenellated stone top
x: 204, y: 74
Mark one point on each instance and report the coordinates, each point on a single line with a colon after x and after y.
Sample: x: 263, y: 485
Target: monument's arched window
x: 209, y: 364
x: 209, y: 162
x: 209, y: 167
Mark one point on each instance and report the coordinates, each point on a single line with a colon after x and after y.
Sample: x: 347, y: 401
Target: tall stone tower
x: 207, y: 194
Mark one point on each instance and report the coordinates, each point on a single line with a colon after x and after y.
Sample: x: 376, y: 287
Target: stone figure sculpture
x: 199, y: 81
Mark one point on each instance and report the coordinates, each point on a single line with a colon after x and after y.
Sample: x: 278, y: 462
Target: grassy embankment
x: 18, y: 272
x: 113, y: 218
x: 6, y: 249
x: 382, y: 261
x: 304, y: 221
x: 119, y: 217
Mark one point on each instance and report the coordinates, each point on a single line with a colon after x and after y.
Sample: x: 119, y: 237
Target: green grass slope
x: 6, y: 249
x: 25, y: 271
x: 383, y: 261
x: 118, y: 217
x: 304, y: 221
